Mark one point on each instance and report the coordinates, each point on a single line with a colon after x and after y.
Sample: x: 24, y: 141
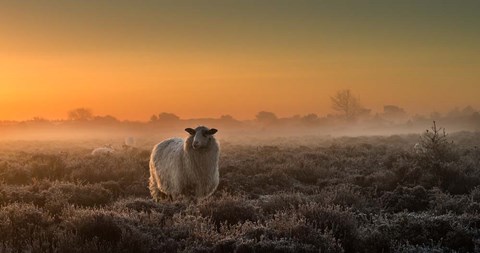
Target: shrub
x: 475, y: 194
x: 99, y: 230
x: 436, y: 148
x: 47, y: 166
x: 437, y: 158
x: 408, y: 248
x: 147, y: 205
x: 371, y: 239
x: 423, y: 229
x: 82, y: 195
x: 443, y: 203
x: 95, y: 169
x: 21, y: 194
x: 99, y: 226
x: 24, y: 227
x: 306, y: 172
x: 283, y: 227
x: 228, y: 209
x: 404, y: 198
x: 114, y: 187
x: 271, y: 204
x: 345, y: 195
x: 14, y: 175
x: 340, y: 221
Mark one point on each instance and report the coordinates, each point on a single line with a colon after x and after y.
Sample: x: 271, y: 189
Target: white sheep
x: 185, y: 167
x: 107, y: 149
x: 130, y: 142
x: 418, y: 148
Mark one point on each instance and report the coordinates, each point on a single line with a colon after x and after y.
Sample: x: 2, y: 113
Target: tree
x: 80, y: 114
x: 105, y: 119
x: 345, y: 103
x: 393, y: 112
x: 437, y: 154
x: 166, y: 116
x: 227, y: 118
x: 153, y: 118
x: 266, y: 117
x: 310, y: 118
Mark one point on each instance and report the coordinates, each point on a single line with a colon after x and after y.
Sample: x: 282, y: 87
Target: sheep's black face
x: 201, y: 136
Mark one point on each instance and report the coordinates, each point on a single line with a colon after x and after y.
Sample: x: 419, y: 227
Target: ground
x: 356, y: 194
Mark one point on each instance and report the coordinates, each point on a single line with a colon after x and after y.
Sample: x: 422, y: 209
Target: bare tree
x: 80, y: 114
x: 347, y: 104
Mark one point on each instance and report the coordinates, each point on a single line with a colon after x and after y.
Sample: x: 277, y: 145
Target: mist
x: 266, y: 127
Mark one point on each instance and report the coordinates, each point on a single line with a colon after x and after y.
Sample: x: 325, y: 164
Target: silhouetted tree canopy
x: 227, y: 118
x: 393, y: 112
x: 80, y: 114
x: 310, y: 118
x: 166, y: 116
x: 154, y: 118
x: 266, y: 117
x: 105, y: 119
x: 468, y: 110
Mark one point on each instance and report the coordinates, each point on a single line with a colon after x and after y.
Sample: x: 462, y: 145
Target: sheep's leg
x: 157, y: 195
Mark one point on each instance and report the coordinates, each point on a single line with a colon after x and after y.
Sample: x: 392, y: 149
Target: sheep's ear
x: 212, y: 131
x: 190, y: 131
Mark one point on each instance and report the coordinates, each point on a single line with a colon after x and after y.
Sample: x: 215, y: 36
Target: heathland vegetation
x: 311, y: 194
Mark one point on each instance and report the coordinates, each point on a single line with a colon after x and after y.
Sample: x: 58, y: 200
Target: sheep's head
x: 201, y: 136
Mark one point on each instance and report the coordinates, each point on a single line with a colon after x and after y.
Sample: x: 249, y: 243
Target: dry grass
x: 370, y: 194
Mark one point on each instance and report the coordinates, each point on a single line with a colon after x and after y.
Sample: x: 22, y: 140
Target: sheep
x: 418, y: 148
x: 185, y: 168
x: 130, y: 143
x: 107, y: 149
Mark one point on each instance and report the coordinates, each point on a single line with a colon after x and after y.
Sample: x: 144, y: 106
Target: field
x: 310, y: 194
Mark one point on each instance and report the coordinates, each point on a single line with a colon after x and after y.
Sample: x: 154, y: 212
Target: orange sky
x: 132, y: 60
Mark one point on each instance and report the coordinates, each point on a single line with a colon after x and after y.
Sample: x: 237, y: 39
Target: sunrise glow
x: 237, y: 58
